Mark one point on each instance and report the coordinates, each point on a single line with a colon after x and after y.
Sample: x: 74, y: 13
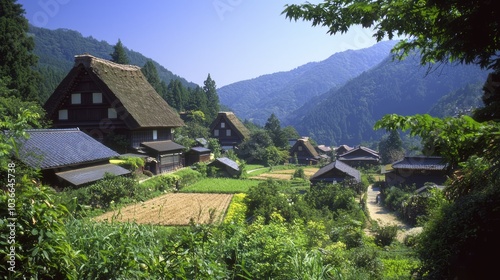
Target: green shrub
x: 147, y: 173
x: 384, y: 236
x: 299, y: 173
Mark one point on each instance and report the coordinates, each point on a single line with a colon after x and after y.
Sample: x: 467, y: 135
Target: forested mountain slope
x: 283, y: 92
x: 346, y: 115
x: 56, y: 50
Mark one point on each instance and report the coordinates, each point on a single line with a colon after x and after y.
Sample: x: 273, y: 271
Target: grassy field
x: 220, y: 185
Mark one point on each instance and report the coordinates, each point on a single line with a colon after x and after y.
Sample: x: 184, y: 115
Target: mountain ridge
x: 291, y: 89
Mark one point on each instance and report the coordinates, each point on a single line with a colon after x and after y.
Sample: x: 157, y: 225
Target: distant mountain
x: 346, y: 115
x: 56, y: 50
x: 282, y: 93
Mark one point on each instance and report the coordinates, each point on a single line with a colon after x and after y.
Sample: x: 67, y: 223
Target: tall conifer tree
x: 16, y: 52
x: 210, y: 90
x: 119, y: 56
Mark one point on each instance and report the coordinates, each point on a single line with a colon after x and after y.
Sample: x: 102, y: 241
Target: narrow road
x: 385, y: 217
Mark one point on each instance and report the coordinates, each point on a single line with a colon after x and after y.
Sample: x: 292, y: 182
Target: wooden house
x: 67, y: 157
x: 167, y: 156
x: 113, y: 103
x: 335, y: 172
x: 342, y: 149
x: 197, y: 154
x: 226, y: 167
x: 303, y: 152
x: 229, y: 130
x: 360, y: 157
x: 417, y: 170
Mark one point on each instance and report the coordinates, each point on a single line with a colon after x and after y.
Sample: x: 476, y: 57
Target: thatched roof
x: 233, y: 121
x: 309, y: 147
x: 137, y: 101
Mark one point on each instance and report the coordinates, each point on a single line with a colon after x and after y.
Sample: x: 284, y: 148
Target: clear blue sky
x: 233, y: 40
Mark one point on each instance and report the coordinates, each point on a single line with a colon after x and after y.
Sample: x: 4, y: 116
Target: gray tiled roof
x: 339, y: 165
x: 163, y: 146
x: 51, y: 148
x: 200, y: 149
x: 85, y: 175
x: 228, y: 162
x: 421, y: 163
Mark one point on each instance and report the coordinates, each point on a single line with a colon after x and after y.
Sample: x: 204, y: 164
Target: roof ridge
x: 52, y: 129
x: 87, y: 60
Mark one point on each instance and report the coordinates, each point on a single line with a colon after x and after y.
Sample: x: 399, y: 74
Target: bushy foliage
x: 385, y: 235
x: 41, y: 249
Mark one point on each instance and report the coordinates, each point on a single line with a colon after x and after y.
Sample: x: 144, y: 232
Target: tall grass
x: 220, y: 185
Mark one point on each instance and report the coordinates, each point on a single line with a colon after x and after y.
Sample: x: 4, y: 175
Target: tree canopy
x: 442, y: 31
x: 16, y: 52
x: 119, y: 55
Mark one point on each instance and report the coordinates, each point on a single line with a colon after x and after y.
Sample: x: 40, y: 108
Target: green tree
x: 119, y: 55
x: 273, y: 127
x: 254, y: 148
x: 210, y: 89
x: 177, y: 95
x: 16, y: 52
x: 391, y: 148
x: 151, y: 74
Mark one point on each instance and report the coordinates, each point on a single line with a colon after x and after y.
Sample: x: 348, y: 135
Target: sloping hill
x: 56, y: 50
x: 346, y: 115
x: 283, y: 92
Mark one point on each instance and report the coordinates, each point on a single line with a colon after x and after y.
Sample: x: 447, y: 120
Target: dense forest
x: 346, y: 115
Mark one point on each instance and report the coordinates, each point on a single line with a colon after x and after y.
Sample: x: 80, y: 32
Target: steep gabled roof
x: 232, y: 121
x: 309, y: 147
x: 53, y: 148
x: 142, y: 105
x: 338, y: 165
x: 421, y: 163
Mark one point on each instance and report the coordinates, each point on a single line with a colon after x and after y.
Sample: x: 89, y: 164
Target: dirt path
x: 385, y: 217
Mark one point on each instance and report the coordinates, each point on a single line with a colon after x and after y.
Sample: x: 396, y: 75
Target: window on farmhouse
x: 300, y: 148
x: 63, y: 114
x: 155, y: 134
x: 216, y: 132
x: 222, y: 125
x: 96, y: 97
x: 76, y: 98
x: 228, y: 132
x: 112, y: 113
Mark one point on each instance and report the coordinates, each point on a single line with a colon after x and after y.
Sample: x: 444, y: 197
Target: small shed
x: 335, y: 172
x: 197, y: 154
x: 167, y: 156
x: 226, y: 166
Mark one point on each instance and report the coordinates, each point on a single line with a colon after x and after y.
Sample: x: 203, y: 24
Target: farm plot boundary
x: 173, y: 209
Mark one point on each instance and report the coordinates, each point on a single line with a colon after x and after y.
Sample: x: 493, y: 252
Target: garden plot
x: 173, y: 209
x: 285, y: 174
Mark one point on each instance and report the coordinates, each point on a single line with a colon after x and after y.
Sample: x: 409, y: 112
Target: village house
x: 416, y: 170
x: 165, y: 156
x: 342, y: 149
x: 197, y: 154
x: 229, y: 130
x: 226, y: 167
x: 303, y: 152
x: 113, y: 103
x: 67, y: 157
x: 335, y: 172
x: 360, y: 157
